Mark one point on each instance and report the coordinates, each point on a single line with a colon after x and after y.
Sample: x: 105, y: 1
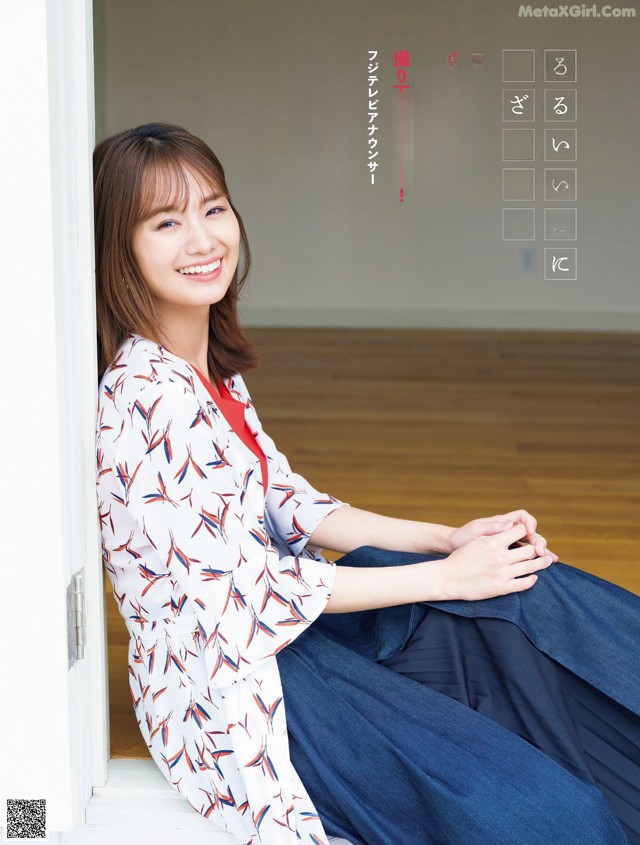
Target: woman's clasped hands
x: 482, y: 565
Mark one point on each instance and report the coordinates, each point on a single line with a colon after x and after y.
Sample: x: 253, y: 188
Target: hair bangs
x: 167, y: 183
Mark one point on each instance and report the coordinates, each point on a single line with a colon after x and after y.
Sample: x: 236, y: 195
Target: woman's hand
x: 485, y: 567
x: 490, y: 525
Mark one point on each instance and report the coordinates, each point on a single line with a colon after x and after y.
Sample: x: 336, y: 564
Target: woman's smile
x: 204, y: 272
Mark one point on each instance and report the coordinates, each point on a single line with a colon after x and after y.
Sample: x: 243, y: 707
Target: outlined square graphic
x: 518, y: 224
x: 561, y: 263
x: 518, y: 184
x: 560, y: 144
x: 518, y: 144
x: 560, y: 105
x: 561, y: 224
x: 560, y: 183
x: 518, y: 105
x: 518, y: 65
x: 560, y: 65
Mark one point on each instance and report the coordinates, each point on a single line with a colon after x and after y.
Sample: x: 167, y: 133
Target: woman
x: 435, y: 685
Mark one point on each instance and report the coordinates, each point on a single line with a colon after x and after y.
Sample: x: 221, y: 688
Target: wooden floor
x: 446, y: 426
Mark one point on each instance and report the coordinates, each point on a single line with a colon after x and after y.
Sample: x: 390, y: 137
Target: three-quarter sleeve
x: 293, y: 507
x: 189, y: 500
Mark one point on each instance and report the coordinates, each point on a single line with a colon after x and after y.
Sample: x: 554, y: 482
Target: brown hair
x: 133, y: 171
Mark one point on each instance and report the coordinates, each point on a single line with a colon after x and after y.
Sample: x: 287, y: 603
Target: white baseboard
x: 433, y: 318
x: 137, y: 806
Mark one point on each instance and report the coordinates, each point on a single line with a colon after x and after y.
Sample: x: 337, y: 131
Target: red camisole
x: 233, y: 412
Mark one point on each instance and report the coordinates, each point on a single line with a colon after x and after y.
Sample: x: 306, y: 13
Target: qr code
x: 26, y: 819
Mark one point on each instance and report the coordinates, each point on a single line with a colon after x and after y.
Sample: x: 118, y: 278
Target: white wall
x: 279, y: 91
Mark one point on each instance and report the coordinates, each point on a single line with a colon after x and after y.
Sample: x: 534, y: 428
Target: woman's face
x: 188, y: 258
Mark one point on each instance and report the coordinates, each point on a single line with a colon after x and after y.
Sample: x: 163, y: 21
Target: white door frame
x: 70, y: 25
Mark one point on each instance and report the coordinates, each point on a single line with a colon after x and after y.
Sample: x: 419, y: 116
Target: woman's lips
x: 203, y: 277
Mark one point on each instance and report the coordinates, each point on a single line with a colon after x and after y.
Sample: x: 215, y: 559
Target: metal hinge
x: 75, y: 617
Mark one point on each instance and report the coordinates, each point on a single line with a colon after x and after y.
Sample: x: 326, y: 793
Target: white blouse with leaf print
x: 212, y: 578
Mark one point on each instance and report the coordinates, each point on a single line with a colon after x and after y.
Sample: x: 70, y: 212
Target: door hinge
x: 76, y: 617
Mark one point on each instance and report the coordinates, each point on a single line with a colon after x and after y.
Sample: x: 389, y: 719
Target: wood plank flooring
x: 446, y: 426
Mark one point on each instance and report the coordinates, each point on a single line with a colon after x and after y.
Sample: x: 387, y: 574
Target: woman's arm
x: 348, y: 528
x: 483, y: 568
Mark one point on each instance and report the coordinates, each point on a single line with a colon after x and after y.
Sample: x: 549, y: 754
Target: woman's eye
x: 214, y: 212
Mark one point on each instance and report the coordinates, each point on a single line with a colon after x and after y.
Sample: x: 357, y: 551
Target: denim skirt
x: 510, y: 720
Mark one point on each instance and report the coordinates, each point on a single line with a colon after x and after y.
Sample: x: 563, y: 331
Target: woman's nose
x: 200, y: 238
